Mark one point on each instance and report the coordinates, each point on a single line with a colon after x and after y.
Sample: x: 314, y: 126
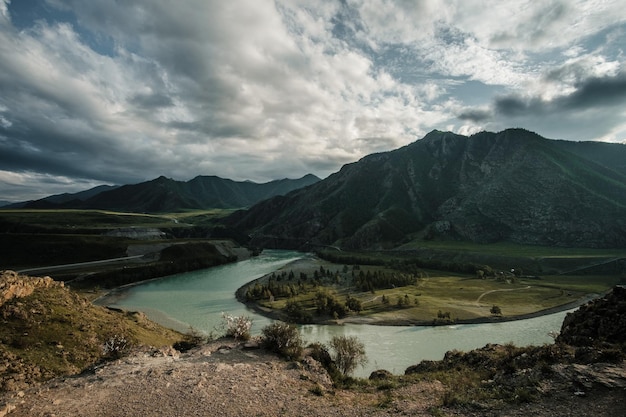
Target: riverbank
x: 390, y: 318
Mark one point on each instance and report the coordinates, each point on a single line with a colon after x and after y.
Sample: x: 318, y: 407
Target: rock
x: 380, y: 374
x: 598, y: 322
x: 317, y: 370
x: 166, y: 351
x: 252, y: 345
x: 14, y: 285
x: 607, y: 375
x: 6, y: 409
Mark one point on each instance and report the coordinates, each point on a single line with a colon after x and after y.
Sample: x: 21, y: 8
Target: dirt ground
x: 225, y: 379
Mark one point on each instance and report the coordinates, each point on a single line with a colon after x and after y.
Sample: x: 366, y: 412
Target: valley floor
x: 469, y: 300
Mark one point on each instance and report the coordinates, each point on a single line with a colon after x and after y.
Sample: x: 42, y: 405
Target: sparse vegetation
x: 349, y: 353
x: 55, y: 331
x: 115, y: 347
x: 283, y: 339
x: 237, y: 327
x: 190, y: 340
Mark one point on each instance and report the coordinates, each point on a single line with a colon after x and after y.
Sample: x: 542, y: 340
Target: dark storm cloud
x: 598, y: 92
x: 591, y: 93
x: 59, y: 154
x: 475, y: 115
x: 515, y: 105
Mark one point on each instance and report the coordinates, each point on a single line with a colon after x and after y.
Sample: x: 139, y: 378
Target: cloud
x: 475, y: 115
x: 597, y: 92
x: 24, y: 186
x: 590, y: 93
x: 123, y: 92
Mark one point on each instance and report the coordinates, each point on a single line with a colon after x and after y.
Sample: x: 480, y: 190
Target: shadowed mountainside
x: 166, y: 195
x: 513, y: 186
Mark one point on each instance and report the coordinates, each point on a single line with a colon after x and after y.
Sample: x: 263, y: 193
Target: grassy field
x: 33, y: 238
x: 514, y: 250
x: 70, y: 220
x: 436, y: 296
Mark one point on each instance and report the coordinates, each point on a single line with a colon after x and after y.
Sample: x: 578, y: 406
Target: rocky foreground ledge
x: 582, y: 374
x: 225, y: 379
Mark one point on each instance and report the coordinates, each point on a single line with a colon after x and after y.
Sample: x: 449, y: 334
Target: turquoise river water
x: 198, y: 299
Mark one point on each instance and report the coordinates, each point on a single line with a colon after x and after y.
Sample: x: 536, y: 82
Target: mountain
x: 65, y: 199
x: 511, y: 186
x: 166, y: 195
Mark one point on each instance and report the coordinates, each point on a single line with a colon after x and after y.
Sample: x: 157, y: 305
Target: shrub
x: 192, y: 339
x: 283, y: 339
x: 349, y: 353
x: 115, y: 347
x: 237, y: 327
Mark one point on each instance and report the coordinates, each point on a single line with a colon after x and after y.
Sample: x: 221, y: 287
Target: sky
x: 120, y: 92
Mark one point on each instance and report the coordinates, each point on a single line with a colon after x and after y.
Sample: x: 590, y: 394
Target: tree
x: 354, y: 304
x: 327, y: 303
x: 496, y: 311
x: 349, y: 353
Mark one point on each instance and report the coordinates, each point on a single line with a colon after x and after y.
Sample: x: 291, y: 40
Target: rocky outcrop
x: 598, y: 323
x: 14, y: 285
x: 587, y: 357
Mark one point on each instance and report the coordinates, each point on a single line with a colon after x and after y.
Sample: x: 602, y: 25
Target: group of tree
x: 297, y: 313
x: 408, y: 264
x: 401, y: 301
x: 443, y: 315
x: 377, y: 280
x: 329, y: 304
x: 273, y: 290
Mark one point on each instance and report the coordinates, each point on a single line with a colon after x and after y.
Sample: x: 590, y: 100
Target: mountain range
x: 513, y: 186
x: 167, y: 195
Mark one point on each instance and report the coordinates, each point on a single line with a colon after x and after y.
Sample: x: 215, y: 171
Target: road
x: 489, y: 292
x: 78, y: 265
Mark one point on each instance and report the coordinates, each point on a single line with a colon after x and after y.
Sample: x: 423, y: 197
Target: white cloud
x: 263, y: 89
x: 533, y: 26
x: 23, y: 186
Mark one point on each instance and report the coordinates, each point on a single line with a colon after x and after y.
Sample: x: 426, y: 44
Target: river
x: 197, y: 299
